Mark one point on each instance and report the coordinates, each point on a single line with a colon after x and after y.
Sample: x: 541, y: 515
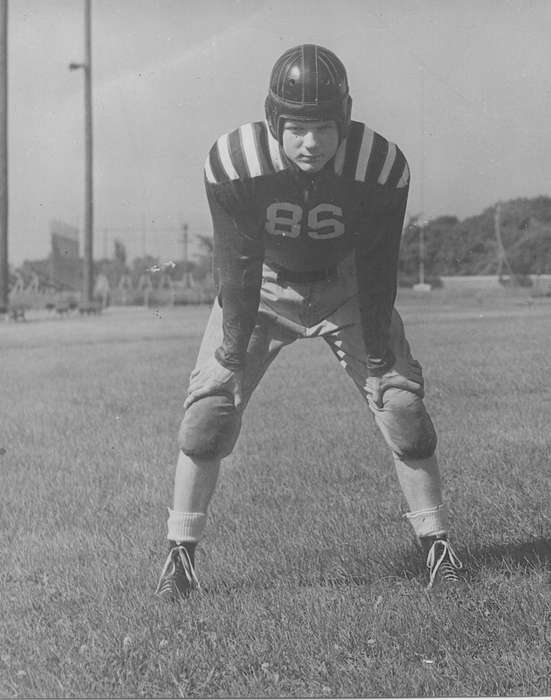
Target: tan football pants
x: 328, y: 310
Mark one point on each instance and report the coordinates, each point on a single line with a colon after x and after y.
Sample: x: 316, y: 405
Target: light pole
x: 185, y: 240
x: 422, y: 253
x: 4, y: 269
x: 88, y: 287
x: 421, y: 286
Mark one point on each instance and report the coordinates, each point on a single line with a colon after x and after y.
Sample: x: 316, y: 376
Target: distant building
x: 65, y: 265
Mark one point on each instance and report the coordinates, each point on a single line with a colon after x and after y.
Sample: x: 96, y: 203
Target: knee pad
x: 210, y: 427
x: 406, y: 425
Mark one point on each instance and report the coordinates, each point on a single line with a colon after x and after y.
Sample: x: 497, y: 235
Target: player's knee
x: 410, y: 428
x: 210, y: 427
x: 420, y: 446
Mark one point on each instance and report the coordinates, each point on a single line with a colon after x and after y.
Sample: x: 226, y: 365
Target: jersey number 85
x: 285, y: 219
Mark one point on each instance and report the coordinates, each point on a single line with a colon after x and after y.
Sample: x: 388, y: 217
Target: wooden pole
x: 89, y: 182
x: 422, y: 253
x: 502, y: 260
x: 4, y: 269
x: 185, y: 243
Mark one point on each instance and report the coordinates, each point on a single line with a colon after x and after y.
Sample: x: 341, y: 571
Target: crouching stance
x: 307, y: 209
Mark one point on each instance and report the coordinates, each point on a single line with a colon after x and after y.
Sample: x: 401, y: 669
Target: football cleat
x: 178, y: 579
x: 443, y: 564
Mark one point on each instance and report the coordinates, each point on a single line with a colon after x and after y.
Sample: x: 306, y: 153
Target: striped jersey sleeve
x: 366, y: 156
x: 247, y: 152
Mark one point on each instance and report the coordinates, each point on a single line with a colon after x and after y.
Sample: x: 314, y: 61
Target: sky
x: 463, y: 86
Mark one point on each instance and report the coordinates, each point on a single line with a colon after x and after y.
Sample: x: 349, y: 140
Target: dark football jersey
x: 264, y: 209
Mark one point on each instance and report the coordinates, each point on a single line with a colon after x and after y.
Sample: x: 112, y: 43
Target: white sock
x: 185, y: 527
x: 430, y: 522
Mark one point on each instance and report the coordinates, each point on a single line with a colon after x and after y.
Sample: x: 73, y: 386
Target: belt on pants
x: 304, y: 276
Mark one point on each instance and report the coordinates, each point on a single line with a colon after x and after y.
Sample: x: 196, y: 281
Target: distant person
x: 307, y: 209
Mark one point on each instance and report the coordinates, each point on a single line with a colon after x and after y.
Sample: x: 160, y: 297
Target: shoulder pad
x: 366, y: 156
x: 248, y: 152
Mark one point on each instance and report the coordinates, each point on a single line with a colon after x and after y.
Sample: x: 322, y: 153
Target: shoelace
x: 188, y: 566
x: 169, y: 569
x: 448, y: 562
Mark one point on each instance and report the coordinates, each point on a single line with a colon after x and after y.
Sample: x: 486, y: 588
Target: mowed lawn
x: 313, y: 584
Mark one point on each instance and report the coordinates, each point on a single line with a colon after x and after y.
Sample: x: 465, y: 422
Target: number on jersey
x: 285, y: 219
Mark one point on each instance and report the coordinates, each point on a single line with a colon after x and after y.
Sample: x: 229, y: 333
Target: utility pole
x: 4, y: 269
x: 185, y: 239
x: 422, y: 253
x: 421, y: 286
x: 88, y: 287
x: 501, y: 254
x: 143, y: 236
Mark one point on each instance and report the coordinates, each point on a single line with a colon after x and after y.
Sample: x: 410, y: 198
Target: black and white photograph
x: 275, y: 369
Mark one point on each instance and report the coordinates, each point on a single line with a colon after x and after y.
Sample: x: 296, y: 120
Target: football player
x: 307, y: 209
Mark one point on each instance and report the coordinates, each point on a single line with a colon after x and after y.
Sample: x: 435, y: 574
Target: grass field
x: 313, y: 583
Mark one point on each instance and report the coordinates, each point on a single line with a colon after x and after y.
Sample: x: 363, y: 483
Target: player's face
x: 310, y: 144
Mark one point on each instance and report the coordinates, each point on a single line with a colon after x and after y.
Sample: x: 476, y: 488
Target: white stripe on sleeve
x: 387, y: 166
x: 225, y: 159
x: 249, y: 150
x: 363, y: 156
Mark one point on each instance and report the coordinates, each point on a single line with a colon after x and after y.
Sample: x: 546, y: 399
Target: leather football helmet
x: 308, y: 82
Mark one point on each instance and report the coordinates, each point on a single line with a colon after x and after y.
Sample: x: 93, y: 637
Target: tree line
x: 470, y: 246
x: 451, y: 247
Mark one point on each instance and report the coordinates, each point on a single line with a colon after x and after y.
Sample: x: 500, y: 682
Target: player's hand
x: 211, y: 378
x: 375, y: 387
